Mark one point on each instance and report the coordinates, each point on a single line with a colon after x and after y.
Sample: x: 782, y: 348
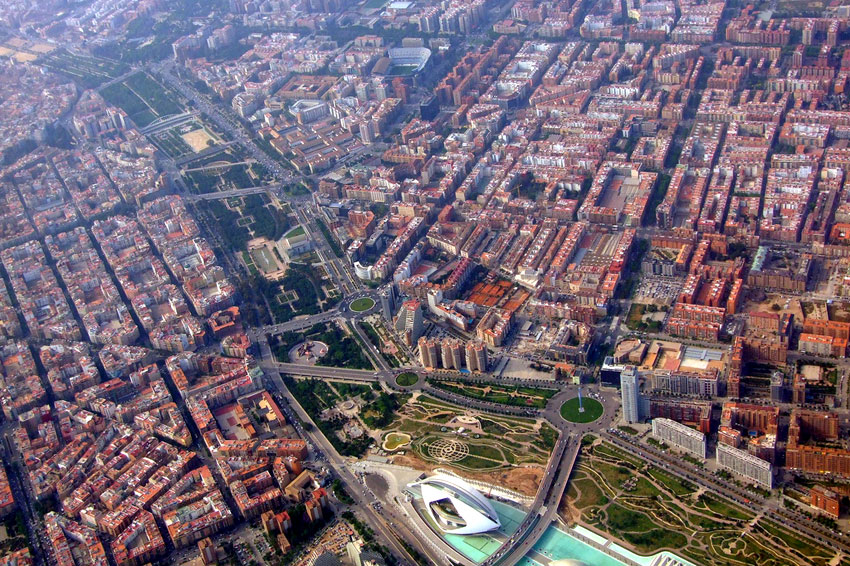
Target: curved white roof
x: 410, y: 56
x: 457, y: 507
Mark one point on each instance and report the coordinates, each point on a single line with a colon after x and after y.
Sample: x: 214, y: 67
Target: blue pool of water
x: 555, y: 544
x: 480, y: 547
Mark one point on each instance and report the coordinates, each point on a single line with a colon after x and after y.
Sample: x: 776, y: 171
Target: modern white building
x: 680, y: 436
x: 745, y: 464
x: 456, y: 507
x: 363, y: 272
x: 293, y: 244
x: 630, y: 394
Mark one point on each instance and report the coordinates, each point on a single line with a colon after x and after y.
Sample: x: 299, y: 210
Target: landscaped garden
x: 322, y: 399
x: 649, y: 509
x: 343, y: 349
x: 88, y: 72
x: 448, y: 435
x: 635, y: 318
x: 316, y: 396
x: 515, y: 395
x: 301, y: 291
x: 142, y: 98
x: 241, y: 219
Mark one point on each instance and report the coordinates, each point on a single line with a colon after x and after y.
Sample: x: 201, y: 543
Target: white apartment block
x: 745, y: 464
x: 680, y: 436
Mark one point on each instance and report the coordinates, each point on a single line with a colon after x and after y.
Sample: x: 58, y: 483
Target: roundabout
x: 362, y: 304
x: 587, y: 412
x: 406, y: 379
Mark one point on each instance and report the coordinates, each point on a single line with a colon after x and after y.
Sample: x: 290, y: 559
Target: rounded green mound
x: 592, y: 410
x: 407, y: 379
x: 362, y: 304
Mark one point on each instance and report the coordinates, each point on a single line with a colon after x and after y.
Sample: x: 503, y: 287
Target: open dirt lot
x: 197, y: 139
x: 523, y: 480
x: 787, y: 304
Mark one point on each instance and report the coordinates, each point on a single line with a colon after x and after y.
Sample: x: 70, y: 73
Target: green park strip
x: 649, y: 510
x: 514, y: 395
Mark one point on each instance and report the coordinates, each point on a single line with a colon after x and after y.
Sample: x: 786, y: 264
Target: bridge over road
x: 545, y: 506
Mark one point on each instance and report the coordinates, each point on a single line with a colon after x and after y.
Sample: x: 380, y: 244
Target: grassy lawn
x: 492, y: 427
x: 592, y: 410
x: 615, y: 475
x: 502, y: 443
x: 675, y: 485
x: 143, y: 98
x: 792, y: 541
x: 649, y: 523
x: 635, y: 316
x: 591, y: 495
x: 644, y: 488
x: 151, y: 91
x: 475, y: 463
x: 88, y: 72
x: 621, y: 519
x: 407, y: 379
x: 119, y: 95
x: 656, y: 539
x: 362, y: 304
x: 615, y: 453
x: 548, y: 437
x: 725, y: 510
x: 484, y: 451
x: 297, y: 231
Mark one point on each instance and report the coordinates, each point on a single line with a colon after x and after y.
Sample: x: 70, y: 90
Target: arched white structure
x: 457, y: 507
x: 410, y: 56
x: 363, y: 272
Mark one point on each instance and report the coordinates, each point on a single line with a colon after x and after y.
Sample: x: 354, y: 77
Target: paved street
x: 339, y: 465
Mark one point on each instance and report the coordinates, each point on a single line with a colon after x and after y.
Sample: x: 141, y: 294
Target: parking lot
x: 658, y: 289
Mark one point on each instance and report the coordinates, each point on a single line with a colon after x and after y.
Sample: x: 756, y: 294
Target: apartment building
x: 680, y: 436
x: 744, y: 464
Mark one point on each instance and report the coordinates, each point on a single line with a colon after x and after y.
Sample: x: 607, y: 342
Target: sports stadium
x: 407, y: 61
